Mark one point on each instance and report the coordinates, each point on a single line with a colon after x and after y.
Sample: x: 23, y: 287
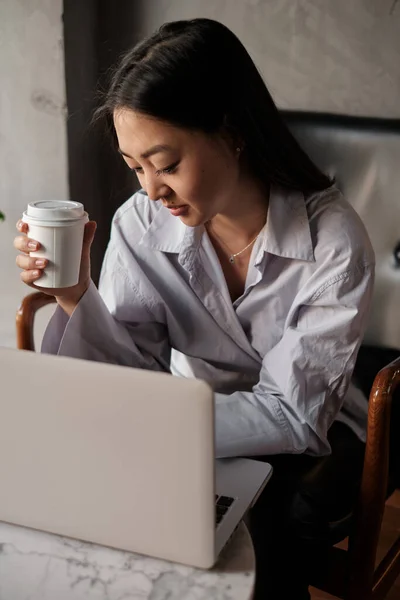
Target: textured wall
x: 33, y: 160
x: 327, y: 55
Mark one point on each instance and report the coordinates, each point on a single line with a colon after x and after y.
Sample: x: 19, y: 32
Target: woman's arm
x: 303, y: 379
x: 113, y: 325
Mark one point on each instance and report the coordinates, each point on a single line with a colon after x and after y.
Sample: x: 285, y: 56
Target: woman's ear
x: 231, y: 137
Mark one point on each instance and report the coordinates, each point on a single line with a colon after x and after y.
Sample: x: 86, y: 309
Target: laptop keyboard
x: 222, y: 505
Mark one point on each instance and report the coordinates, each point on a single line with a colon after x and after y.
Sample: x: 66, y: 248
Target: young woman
x: 238, y: 262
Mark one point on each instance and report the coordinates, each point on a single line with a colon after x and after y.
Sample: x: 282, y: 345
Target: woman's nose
x: 156, y: 189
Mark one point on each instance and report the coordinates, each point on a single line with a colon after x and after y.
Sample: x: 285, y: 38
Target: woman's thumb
x: 88, y: 236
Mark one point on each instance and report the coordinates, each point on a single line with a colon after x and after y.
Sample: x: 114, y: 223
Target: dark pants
x: 291, y: 524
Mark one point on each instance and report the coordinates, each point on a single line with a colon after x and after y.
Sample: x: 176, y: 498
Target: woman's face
x: 195, y: 175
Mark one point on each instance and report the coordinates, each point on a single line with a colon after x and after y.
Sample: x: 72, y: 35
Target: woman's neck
x: 245, y: 216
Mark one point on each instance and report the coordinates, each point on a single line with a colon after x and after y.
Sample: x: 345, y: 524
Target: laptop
x: 118, y: 456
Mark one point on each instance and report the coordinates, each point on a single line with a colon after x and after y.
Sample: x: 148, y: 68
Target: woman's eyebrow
x: 153, y: 150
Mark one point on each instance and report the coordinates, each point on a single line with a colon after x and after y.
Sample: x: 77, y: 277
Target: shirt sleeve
x: 304, y: 378
x: 113, y: 324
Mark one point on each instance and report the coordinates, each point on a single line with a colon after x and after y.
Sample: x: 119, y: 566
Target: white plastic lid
x: 51, y: 210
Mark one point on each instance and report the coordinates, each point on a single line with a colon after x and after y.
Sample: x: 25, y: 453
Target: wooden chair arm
x: 25, y: 318
x: 363, y: 540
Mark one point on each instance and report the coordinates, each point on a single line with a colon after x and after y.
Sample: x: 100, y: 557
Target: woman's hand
x: 33, y: 267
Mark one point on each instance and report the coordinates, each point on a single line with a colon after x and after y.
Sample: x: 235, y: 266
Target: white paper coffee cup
x: 59, y: 226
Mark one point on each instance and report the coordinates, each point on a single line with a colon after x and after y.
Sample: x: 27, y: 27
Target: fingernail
x: 40, y: 263
x: 35, y: 273
x: 32, y: 245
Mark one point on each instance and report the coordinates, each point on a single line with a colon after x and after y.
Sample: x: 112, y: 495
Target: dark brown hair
x: 197, y: 74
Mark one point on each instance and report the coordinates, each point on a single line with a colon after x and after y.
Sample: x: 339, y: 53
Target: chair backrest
x: 29, y: 328
x: 363, y: 154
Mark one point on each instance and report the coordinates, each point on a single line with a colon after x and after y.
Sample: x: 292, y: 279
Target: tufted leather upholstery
x: 363, y: 154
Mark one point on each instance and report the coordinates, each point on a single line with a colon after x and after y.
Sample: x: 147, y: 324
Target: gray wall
x: 32, y: 129
x: 326, y: 55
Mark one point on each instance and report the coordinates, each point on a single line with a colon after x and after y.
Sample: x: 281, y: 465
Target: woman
x: 238, y: 262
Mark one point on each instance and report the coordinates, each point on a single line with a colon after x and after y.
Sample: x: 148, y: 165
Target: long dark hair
x: 197, y: 74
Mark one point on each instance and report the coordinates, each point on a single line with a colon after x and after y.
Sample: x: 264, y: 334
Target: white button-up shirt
x: 280, y: 358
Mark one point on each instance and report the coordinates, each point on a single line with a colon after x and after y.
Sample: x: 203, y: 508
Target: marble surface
x: 40, y: 566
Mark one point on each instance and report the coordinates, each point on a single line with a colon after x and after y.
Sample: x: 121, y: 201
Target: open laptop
x: 118, y: 456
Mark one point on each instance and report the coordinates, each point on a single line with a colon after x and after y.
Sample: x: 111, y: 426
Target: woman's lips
x: 178, y: 211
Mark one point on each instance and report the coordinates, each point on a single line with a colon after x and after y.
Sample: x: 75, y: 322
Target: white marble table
x: 39, y: 566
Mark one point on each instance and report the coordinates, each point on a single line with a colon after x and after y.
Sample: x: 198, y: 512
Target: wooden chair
x: 25, y: 318
x: 351, y: 574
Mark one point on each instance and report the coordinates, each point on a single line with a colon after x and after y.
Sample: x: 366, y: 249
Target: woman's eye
x: 168, y: 170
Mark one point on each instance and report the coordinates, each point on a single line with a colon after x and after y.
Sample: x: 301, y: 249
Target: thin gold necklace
x: 233, y: 256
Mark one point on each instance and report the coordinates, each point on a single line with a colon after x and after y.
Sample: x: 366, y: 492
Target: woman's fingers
x: 88, y: 236
x: 31, y: 276
x: 22, y: 227
x: 22, y: 242
x: 32, y: 267
x: 29, y: 263
x: 25, y: 244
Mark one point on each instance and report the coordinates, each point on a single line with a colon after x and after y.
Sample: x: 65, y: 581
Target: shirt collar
x: 286, y: 233
x: 287, y: 230
x: 166, y: 232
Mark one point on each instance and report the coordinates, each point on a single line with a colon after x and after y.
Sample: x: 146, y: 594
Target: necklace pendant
x: 232, y: 259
